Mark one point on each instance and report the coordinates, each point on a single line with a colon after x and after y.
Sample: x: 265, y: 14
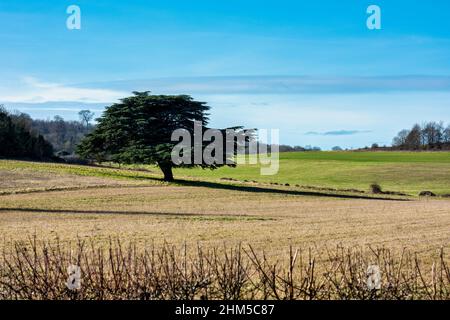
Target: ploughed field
x: 80, y: 202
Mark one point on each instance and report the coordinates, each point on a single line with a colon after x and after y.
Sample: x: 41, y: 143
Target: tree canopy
x: 18, y: 141
x: 428, y: 136
x: 138, y: 130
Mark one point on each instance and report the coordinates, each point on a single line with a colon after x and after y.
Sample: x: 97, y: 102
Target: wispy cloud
x: 337, y: 133
x: 32, y: 90
x: 281, y: 84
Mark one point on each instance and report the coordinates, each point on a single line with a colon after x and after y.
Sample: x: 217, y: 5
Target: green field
x: 406, y: 172
x: 409, y: 172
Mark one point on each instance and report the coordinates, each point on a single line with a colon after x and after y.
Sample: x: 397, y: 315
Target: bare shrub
x: 38, y: 270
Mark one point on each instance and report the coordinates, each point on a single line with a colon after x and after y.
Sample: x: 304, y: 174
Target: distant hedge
x: 17, y: 141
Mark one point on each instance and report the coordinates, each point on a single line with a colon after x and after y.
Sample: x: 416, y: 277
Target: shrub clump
x: 427, y: 194
x: 375, y: 188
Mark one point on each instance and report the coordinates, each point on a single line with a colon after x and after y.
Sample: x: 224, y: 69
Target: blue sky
x: 311, y: 69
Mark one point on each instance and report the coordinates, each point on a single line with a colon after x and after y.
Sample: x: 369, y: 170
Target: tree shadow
x: 257, y: 189
x: 126, y: 212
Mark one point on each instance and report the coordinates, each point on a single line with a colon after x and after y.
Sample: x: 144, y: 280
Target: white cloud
x: 32, y: 90
x: 283, y: 85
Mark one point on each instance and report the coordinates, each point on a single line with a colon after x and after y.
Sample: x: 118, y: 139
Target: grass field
x: 409, y: 172
x: 69, y: 201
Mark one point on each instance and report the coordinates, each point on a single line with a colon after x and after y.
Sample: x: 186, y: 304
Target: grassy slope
x: 394, y: 171
x: 79, y: 170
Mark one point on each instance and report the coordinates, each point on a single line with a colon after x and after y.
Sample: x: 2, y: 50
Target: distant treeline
x: 63, y: 135
x: 428, y: 136
x: 24, y: 137
x: 18, y: 141
x: 284, y: 148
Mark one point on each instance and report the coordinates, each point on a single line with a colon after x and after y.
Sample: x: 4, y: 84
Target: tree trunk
x: 167, y: 171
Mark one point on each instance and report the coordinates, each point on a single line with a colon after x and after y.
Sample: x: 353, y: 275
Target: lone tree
x: 138, y: 130
x: 86, y: 117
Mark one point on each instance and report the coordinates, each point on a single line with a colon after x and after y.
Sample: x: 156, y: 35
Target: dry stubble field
x: 50, y: 204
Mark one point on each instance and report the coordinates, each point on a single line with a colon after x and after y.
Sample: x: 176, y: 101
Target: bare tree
x: 432, y: 133
x: 446, y: 134
x: 401, y: 138
x: 86, y: 117
x: 414, y: 138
